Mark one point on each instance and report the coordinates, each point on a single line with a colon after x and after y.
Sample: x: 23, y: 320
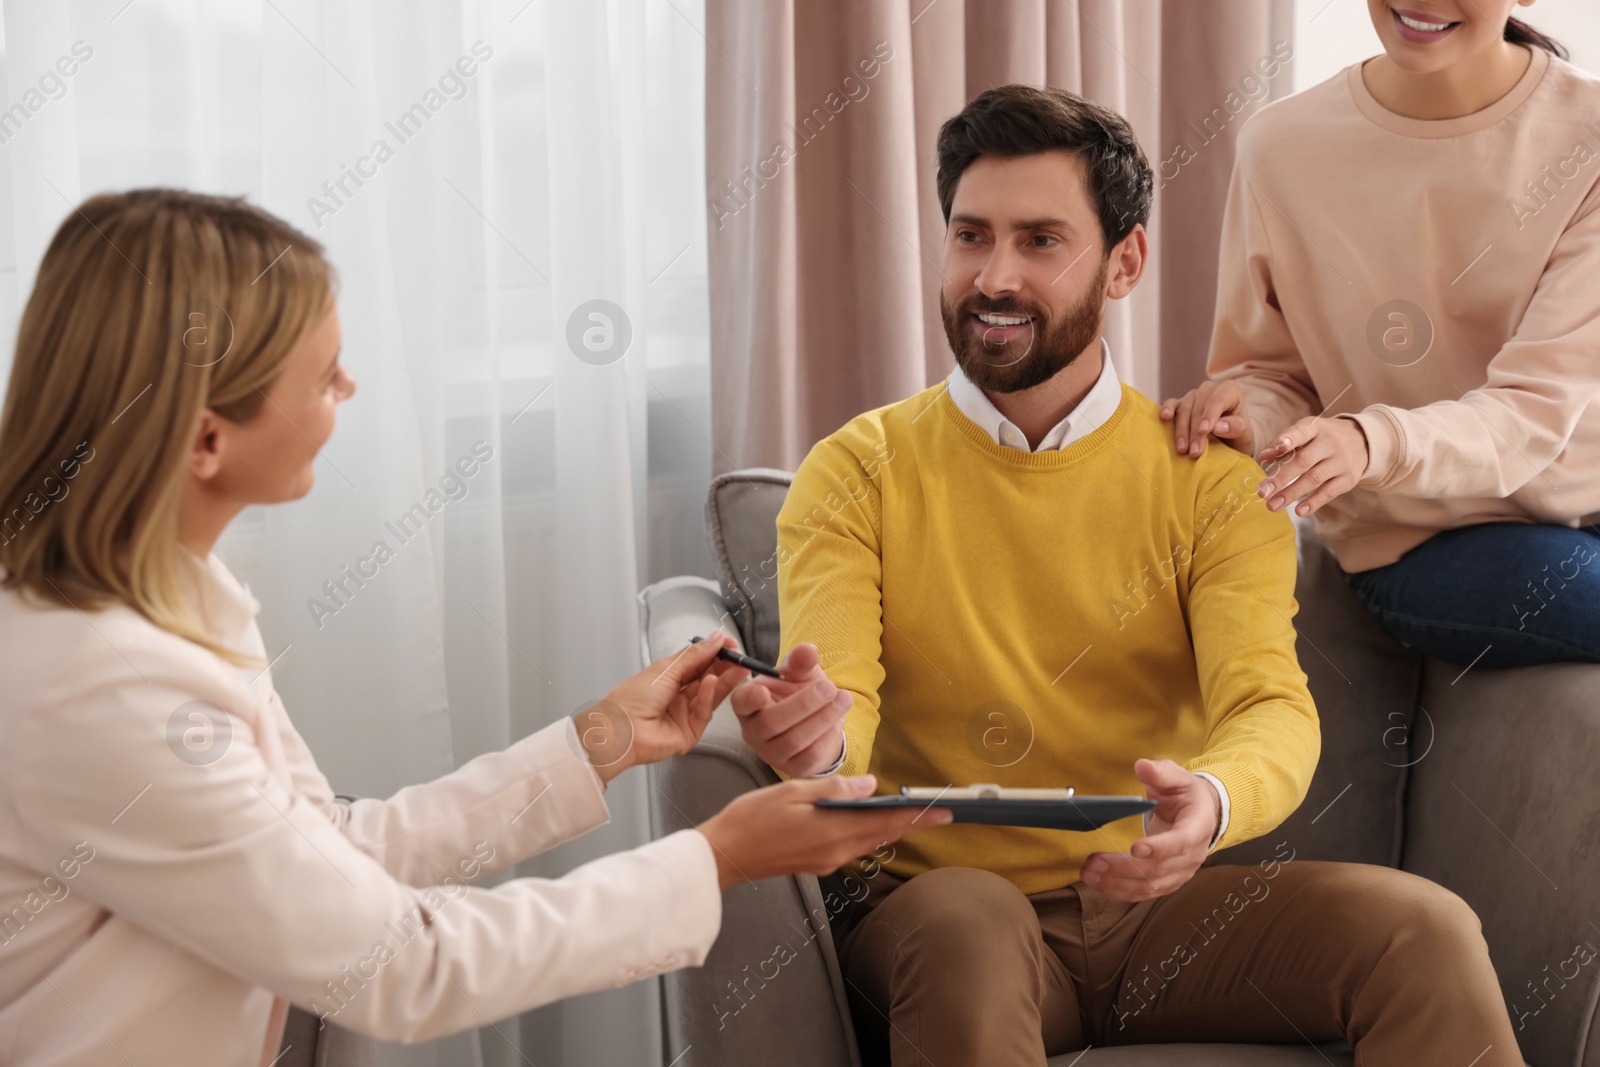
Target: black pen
x: 749, y: 663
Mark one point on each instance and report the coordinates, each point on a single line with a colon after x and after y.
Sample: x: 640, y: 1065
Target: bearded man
x: 1015, y: 577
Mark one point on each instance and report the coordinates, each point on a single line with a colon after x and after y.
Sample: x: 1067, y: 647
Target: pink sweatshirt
x: 1436, y: 281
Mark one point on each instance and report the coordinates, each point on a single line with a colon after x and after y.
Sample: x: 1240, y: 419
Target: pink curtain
x: 825, y: 229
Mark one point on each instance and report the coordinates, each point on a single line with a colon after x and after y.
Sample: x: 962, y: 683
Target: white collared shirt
x: 1097, y: 406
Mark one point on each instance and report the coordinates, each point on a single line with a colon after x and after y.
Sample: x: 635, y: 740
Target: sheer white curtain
x: 536, y: 155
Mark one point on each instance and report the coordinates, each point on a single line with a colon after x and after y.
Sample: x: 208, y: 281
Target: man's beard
x: 1037, y: 353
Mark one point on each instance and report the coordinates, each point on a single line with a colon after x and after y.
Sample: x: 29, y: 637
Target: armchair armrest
x: 1504, y: 809
x: 675, y: 609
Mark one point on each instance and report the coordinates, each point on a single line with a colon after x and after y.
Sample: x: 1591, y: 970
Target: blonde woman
x: 1408, y: 330
x: 164, y: 901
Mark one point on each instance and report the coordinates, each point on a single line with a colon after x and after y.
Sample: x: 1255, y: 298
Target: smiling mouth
x: 989, y: 318
x: 999, y: 329
x: 1414, y: 27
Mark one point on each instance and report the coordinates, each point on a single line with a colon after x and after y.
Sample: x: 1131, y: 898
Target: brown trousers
x: 957, y: 967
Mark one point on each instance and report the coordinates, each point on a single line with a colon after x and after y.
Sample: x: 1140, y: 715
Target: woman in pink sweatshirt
x: 1408, y: 330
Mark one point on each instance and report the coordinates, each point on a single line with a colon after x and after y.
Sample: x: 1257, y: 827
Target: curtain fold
x: 824, y: 224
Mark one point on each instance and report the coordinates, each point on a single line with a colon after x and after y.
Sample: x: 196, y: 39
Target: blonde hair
x: 150, y: 307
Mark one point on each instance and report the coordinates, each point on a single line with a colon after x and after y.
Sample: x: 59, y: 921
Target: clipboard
x: 991, y: 805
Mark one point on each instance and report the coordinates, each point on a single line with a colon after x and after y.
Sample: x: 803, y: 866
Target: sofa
x: 1482, y: 780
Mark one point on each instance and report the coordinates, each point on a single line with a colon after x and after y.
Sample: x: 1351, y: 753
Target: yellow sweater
x: 1045, y: 619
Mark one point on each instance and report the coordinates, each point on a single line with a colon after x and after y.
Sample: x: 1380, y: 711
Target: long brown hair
x: 1519, y: 32
x: 150, y: 307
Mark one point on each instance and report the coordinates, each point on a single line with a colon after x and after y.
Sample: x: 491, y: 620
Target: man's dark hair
x: 1021, y: 120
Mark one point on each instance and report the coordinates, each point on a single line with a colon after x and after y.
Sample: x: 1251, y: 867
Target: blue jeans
x: 1497, y: 594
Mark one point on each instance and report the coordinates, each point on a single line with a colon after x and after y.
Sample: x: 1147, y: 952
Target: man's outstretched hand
x: 795, y: 723
x: 1187, y: 814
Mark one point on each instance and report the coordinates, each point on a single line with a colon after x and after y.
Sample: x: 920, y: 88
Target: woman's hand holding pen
x: 659, y: 712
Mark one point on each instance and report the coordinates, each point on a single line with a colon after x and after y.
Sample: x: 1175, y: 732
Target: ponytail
x: 1519, y: 32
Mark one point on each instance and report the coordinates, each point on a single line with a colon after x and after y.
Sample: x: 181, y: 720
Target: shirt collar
x: 1098, y: 405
